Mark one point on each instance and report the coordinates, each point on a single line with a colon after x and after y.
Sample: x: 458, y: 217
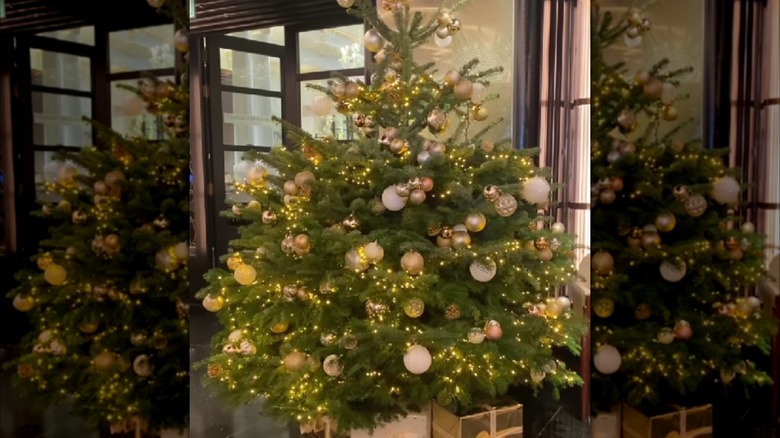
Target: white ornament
x: 332, y: 365
x: 672, y: 272
x: 725, y: 190
x: 142, y: 366
x: 442, y: 42
x: 478, y: 93
x: 345, y: 3
x: 476, y: 335
x: 374, y: 252
x: 607, y: 359
x: 417, y: 359
x: 558, y: 228
x: 748, y: 227
x: 235, y: 335
x: 564, y: 302
x: 536, y: 190
x: 424, y: 157
x: 391, y: 200
x: 46, y: 336
x: 483, y: 272
x: 666, y: 336
x: 632, y: 42
x: 754, y: 302
x: 321, y: 106
x: 668, y: 93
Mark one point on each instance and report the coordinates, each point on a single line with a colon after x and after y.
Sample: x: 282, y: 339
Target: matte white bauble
x: 321, y: 106
x: 417, y: 359
x: 725, y: 190
x: 476, y: 335
x: 665, y: 336
x: 478, y: 93
x: 332, y: 365
x: 374, y: 252
x: 558, y: 228
x: 536, y: 190
x: 754, y: 302
x: 391, y: 200
x: 235, y: 335
x: 564, y: 302
x: 748, y: 227
x: 483, y: 271
x: 607, y: 359
x: 672, y: 272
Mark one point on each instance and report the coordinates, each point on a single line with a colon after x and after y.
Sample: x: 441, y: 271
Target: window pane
x: 331, y: 49
x: 57, y: 120
x: 141, y: 49
x: 680, y: 39
x: 60, y: 70
x: 81, y: 35
x: 247, y: 120
x: 272, y: 35
x: 488, y: 35
x: 128, y: 112
x: 336, y: 125
x: 250, y: 70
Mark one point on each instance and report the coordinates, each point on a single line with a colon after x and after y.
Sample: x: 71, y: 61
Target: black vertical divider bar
x: 216, y: 149
x: 567, y: 106
x: 718, y: 52
x: 24, y: 155
x: 101, y: 101
x: 528, y: 47
x: 755, y: 104
x: 291, y: 102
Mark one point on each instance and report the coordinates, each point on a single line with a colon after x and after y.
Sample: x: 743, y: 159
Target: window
x: 81, y: 35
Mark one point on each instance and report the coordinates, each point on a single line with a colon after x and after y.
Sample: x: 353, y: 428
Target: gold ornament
x: 414, y: 307
x: 23, y: 303
x: 480, y: 113
x: 604, y: 307
x: 607, y: 196
x: 670, y: 113
x: 451, y: 78
x: 294, y: 361
x: 55, y: 274
x: 627, y: 121
x: 44, y: 261
x: 545, y: 255
x: 695, y: 205
x: 373, y: 41
x: 350, y: 223
x: 437, y: 121
x: 460, y: 239
x: 304, y: 179
x: 399, y: 146
x: 731, y: 243
x: 290, y: 188
x: 302, y: 242
x: 279, y: 327
x: 541, y: 243
x: 214, y: 370
x: 245, y: 274
x: 454, y: 25
x: 642, y: 311
x: 603, y: 263
x: 665, y: 222
x: 79, y: 217
x: 213, y: 304
x: 111, y: 244
x: 417, y: 196
x: 234, y: 262
x: 412, y: 263
x: 463, y: 89
x: 491, y: 193
x: 269, y: 217
x: 443, y: 242
x: 681, y: 193
x: 105, y: 361
x: 475, y: 222
x: 446, y: 232
x: 505, y: 205
x: 375, y: 309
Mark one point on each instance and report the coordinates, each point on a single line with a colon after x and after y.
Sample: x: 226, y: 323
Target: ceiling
x: 33, y: 16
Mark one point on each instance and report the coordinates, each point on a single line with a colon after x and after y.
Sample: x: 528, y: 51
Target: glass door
x: 244, y: 93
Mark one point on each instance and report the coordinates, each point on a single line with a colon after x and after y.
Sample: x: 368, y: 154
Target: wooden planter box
x: 680, y: 422
x: 503, y: 422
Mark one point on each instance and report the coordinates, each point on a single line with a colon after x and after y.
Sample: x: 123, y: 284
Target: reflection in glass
x: 677, y: 35
x: 246, y: 120
x: 141, y: 49
x: 60, y: 70
x: 333, y: 125
x: 336, y: 48
x: 81, y: 35
x: 250, y: 70
x: 47, y: 171
x: 488, y: 35
x: 57, y: 120
x: 271, y: 35
x: 128, y: 112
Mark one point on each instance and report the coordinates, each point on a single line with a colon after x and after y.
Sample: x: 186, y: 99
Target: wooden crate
x: 680, y: 422
x: 501, y: 422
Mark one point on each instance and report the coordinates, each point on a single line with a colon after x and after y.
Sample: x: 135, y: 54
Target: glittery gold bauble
x: 603, y: 263
x: 695, y: 205
x: 604, y: 307
x: 446, y: 232
x: 452, y: 312
x: 23, y: 303
x: 233, y: 263
x: 475, y: 222
x: 44, y: 261
x: 245, y: 274
x: 437, y: 121
x: 414, y: 307
x: 731, y: 243
x: 665, y: 222
x: 279, y: 327
x: 480, y: 113
x: 541, y: 243
x: 505, y: 205
x: 214, y: 370
x: 302, y: 242
x: 491, y: 193
x: 213, y: 303
x: 288, y: 244
x: 375, y: 308
x: 642, y: 311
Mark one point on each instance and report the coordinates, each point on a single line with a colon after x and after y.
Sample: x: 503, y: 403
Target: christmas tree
x: 673, y: 262
x: 108, y: 297
x: 375, y: 275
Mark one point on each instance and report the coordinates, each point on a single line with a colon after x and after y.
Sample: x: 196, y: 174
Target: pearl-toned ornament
x: 607, y: 359
x: 373, y: 41
x: 321, y: 106
x: 672, y: 271
x: 603, y: 263
x: 452, y: 78
x: 665, y: 222
x: 478, y: 93
x: 391, y: 200
x: 294, y: 361
x: 748, y: 228
x: 443, y: 32
x: 417, y: 359
x: 463, y: 89
x: 417, y: 196
x: 493, y: 330
x: 245, y: 274
x: 483, y: 270
x: 374, y: 252
x: 536, y: 190
x: 558, y: 228
x: 345, y: 3
x: 412, y: 263
x: 332, y: 365
x: 476, y: 335
x: 726, y: 190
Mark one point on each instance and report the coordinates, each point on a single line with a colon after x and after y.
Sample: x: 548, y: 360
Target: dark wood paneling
x: 225, y: 16
x: 33, y: 16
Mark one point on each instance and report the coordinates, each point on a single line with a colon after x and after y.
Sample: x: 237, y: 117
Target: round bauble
x: 155, y: 3
x: 478, y: 93
x: 452, y: 312
x: 493, y: 331
x: 55, y: 274
x: 536, y: 190
x: 442, y: 32
x: 603, y: 263
x: 607, y: 359
x: 545, y: 255
x: 483, y: 270
x: 558, y: 228
x: 437, y: 121
x: 142, y: 365
x: 476, y: 335
x: 181, y: 41
x: 475, y: 222
x: 412, y: 263
x: 480, y: 113
x: 332, y: 365
x: 391, y: 200
x: 414, y: 307
x: 345, y: 3
x: 304, y: 178
x: 302, y: 242
x: 417, y: 359
x: 352, y: 90
x: 682, y: 330
x: 279, y: 327
x: 672, y: 271
x: 670, y: 113
x: 355, y: 262
x: 399, y: 146
x: 374, y: 252
x: 245, y: 274
x: 321, y: 106
x: 665, y: 222
x: 748, y: 228
x: 213, y: 303
x: 607, y: 196
x: 463, y: 89
x: 505, y: 205
x: 695, y: 205
x: 604, y: 307
x: 653, y: 89
x: 754, y: 302
x: 564, y: 302
x: 338, y: 89
x: 725, y: 190
x: 452, y: 78
x: 417, y: 196
x: 460, y: 239
x: 373, y: 41
x: 665, y: 336
x: 744, y: 308
x: 426, y: 183
x: 105, y: 361
x: 294, y: 361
